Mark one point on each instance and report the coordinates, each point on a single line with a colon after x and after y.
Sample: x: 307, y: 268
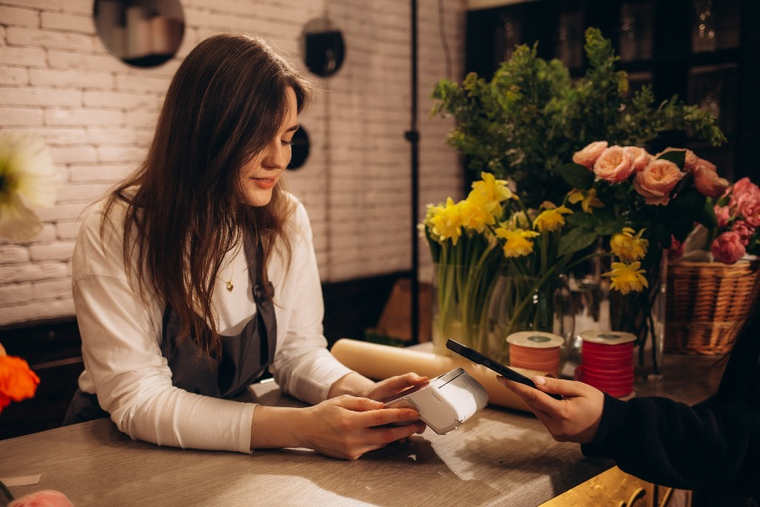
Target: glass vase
x: 463, y: 306
x: 523, y: 303
x: 480, y: 307
x: 598, y: 308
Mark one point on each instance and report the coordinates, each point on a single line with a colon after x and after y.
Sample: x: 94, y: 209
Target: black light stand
x: 413, y: 136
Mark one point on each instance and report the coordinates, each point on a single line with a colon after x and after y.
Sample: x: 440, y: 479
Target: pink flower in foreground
x: 744, y: 230
x: 722, y: 214
x: 588, y: 155
x: 743, y: 186
x: 657, y: 181
x: 728, y: 248
x: 707, y: 181
x: 46, y: 498
x: 614, y: 165
x: 676, y: 249
x: 640, y: 157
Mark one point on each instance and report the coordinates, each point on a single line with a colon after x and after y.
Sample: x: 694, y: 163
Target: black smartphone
x: 504, y: 371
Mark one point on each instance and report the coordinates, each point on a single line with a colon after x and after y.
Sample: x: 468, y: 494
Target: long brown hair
x: 184, y: 204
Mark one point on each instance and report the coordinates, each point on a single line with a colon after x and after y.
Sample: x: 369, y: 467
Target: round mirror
x: 322, y: 47
x: 143, y: 33
x: 299, y: 148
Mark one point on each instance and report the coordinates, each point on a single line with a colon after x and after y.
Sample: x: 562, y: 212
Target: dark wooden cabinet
x: 707, y: 52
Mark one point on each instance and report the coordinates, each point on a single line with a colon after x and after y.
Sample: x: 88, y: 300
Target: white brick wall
x: 97, y: 115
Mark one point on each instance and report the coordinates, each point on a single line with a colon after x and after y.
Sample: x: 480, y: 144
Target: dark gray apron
x: 245, y: 357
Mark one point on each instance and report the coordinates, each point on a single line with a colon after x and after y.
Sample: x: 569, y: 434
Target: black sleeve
x: 714, y: 445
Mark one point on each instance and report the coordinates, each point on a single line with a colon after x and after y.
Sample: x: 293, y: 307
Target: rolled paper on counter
x: 379, y: 362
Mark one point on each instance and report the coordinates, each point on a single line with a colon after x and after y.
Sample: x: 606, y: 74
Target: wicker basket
x: 705, y: 301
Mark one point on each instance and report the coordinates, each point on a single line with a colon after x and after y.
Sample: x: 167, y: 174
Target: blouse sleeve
x: 303, y: 367
x: 713, y: 445
x: 124, y: 366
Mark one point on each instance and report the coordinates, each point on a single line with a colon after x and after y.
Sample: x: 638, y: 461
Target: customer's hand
x: 347, y: 427
x: 575, y: 418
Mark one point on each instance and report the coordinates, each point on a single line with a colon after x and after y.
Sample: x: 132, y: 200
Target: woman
x: 712, y: 448
x: 197, y: 274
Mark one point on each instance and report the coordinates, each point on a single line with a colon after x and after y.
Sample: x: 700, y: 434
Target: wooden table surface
x: 498, y: 457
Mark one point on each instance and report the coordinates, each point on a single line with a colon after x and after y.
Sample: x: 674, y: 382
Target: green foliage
x: 531, y: 117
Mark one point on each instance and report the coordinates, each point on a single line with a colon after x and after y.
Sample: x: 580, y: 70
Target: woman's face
x: 259, y: 176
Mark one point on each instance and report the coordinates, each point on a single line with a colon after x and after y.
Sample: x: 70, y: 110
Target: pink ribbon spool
x: 535, y: 350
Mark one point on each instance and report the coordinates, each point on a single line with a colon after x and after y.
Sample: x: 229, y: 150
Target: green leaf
x: 576, y: 176
x: 678, y: 157
x: 586, y: 220
x: 707, y: 215
x: 576, y: 240
x: 611, y: 228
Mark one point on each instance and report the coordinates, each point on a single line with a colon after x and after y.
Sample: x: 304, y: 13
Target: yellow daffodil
x: 629, y: 247
x: 446, y: 221
x: 27, y: 178
x: 551, y: 218
x: 627, y: 277
x: 490, y: 193
x: 588, y: 200
x: 475, y: 215
x: 518, y: 241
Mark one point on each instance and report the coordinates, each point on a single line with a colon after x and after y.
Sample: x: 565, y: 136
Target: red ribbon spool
x: 607, y: 362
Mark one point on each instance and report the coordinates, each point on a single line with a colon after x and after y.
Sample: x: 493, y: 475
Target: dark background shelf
x: 657, y: 43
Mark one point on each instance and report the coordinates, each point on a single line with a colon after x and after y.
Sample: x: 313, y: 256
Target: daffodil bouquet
x: 497, y: 265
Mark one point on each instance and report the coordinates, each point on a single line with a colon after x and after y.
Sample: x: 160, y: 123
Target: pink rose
x: 744, y: 185
x: 46, y: 498
x: 723, y: 215
x: 657, y: 181
x: 744, y: 230
x: 588, y: 155
x: 728, y: 248
x: 742, y: 191
x: 707, y: 181
x: 614, y: 165
x: 640, y: 157
x: 750, y: 210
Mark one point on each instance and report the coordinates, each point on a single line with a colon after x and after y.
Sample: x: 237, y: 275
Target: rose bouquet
x: 646, y: 204
x: 736, y: 232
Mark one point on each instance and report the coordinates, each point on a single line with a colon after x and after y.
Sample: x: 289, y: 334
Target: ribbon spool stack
x: 535, y: 350
x: 607, y: 362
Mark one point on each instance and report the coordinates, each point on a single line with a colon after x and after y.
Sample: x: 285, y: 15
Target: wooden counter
x: 499, y: 457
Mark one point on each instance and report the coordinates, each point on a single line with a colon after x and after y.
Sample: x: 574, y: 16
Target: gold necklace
x: 228, y: 283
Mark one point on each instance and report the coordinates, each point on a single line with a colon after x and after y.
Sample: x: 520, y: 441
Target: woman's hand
x: 575, y: 418
x: 342, y: 427
x: 347, y: 427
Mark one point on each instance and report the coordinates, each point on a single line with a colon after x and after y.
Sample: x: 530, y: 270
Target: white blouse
x: 121, y: 335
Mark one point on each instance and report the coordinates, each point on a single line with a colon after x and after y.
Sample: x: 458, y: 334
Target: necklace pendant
x: 230, y: 286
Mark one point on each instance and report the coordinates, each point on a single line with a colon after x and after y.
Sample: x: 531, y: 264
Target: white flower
x: 27, y: 178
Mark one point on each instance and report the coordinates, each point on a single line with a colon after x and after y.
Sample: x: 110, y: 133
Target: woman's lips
x: 264, y: 183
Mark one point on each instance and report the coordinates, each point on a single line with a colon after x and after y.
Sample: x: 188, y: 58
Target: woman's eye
x: 287, y: 142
